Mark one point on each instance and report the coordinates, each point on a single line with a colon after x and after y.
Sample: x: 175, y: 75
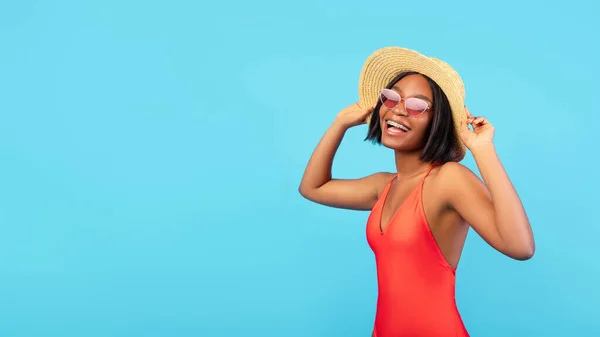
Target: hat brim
x: 383, y: 65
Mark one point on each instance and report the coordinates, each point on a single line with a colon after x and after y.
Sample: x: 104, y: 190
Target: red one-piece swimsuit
x: 415, y: 282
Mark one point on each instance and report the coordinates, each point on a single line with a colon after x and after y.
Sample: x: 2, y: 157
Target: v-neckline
x: 397, y: 210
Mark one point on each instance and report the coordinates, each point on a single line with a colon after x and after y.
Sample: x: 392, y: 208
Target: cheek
x: 420, y: 131
x: 381, y: 112
x: 422, y: 123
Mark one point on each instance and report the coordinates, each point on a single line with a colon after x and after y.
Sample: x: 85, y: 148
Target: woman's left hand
x: 482, y: 133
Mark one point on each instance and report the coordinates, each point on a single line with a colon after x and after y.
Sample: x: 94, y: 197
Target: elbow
x: 520, y: 247
x: 302, y: 191
x: 308, y: 191
x: 305, y: 192
x: 530, y: 251
x: 525, y: 253
x: 524, y: 256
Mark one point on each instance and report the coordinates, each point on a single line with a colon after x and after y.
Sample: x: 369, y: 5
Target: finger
x: 479, y: 120
x: 464, y: 126
x: 468, y: 113
x: 369, y: 111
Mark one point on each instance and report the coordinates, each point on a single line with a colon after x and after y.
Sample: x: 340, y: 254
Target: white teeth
x: 399, y: 126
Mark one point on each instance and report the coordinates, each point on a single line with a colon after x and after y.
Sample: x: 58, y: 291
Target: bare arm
x: 317, y: 183
x: 492, y: 207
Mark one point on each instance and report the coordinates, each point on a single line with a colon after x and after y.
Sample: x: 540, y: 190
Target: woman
x: 420, y: 214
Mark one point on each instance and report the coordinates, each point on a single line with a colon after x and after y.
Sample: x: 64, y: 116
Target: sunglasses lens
x: 415, y: 106
x: 389, y: 98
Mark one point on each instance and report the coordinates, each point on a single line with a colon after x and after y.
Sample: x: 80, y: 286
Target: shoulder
x: 455, y: 180
x: 380, y: 180
x: 452, y: 176
x: 452, y: 170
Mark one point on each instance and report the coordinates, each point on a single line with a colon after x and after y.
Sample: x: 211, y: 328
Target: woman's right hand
x: 353, y: 115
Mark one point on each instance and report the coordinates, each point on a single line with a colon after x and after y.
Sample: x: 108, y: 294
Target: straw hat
x: 383, y: 65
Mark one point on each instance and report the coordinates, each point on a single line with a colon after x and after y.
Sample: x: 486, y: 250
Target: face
x: 402, y: 130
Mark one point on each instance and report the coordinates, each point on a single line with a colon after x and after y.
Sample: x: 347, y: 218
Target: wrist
x: 483, y: 149
x: 340, y: 125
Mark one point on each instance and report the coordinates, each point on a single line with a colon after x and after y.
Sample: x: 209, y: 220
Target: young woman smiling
x: 420, y: 214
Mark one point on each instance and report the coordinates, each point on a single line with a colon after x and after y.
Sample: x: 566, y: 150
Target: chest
x: 404, y: 208
x: 397, y: 198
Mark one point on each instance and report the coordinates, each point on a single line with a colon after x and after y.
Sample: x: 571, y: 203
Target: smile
x: 396, y: 127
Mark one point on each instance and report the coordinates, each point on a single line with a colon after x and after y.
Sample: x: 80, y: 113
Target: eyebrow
x: 417, y: 96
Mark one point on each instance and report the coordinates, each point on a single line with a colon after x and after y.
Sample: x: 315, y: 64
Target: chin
x: 399, y: 144
x: 394, y: 144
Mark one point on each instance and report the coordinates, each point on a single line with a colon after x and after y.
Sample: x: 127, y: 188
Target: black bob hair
x: 442, y: 141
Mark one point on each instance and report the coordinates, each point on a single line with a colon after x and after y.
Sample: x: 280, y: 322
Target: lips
x: 396, y: 126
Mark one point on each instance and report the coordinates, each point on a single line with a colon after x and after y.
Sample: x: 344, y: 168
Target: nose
x: 399, y: 110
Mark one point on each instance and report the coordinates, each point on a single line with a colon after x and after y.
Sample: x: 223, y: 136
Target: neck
x: 409, y: 165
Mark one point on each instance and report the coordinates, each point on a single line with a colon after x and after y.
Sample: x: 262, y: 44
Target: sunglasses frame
x: 381, y: 93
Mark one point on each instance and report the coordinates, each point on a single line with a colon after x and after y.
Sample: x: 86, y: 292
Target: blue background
x: 152, y: 150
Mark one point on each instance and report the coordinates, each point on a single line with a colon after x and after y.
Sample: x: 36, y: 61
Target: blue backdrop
x: 152, y: 150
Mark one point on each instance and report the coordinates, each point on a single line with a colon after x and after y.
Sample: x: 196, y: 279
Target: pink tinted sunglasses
x: 412, y: 105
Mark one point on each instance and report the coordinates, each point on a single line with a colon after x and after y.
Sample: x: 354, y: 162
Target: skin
x: 454, y: 198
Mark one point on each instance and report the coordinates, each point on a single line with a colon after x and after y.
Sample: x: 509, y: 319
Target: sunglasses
x: 413, y: 106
